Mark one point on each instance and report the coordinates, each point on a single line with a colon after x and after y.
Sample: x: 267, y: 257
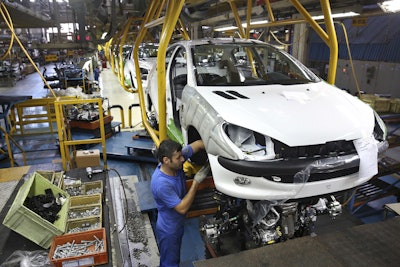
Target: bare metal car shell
x: 302, y: 112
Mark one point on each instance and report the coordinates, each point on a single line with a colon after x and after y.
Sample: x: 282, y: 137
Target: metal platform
x: 128, y: 146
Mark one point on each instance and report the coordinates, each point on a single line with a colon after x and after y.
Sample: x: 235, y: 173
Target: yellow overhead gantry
x: 128, y: 34
x: 328, y: 36
x: 121, y: 77
x: 170, y: 20
x: 152, y: 19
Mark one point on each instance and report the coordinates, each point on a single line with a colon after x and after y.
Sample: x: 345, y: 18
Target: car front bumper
x: 285, y: 179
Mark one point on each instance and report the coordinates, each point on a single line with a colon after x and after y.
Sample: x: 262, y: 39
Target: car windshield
x: 148, y: 51
x: 247, y: 64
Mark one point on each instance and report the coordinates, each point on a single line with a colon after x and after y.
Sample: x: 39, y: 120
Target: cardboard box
x: 87, y: 158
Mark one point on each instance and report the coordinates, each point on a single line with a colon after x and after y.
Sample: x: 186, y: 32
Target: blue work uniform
x: 96, y: 72
x: 168, y: 192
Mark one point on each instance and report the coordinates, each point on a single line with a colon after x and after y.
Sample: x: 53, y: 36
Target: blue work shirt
x: 168, y: 192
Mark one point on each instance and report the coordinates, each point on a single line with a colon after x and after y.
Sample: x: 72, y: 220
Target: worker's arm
x: 197, y: 146
x: 187, y: 200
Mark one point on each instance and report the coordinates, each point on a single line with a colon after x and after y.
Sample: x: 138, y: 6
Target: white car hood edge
x: 296, y: 115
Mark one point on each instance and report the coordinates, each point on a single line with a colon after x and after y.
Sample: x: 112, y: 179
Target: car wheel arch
x: 194, y: 135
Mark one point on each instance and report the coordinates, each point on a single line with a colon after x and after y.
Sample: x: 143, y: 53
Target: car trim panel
x: 293, y: 168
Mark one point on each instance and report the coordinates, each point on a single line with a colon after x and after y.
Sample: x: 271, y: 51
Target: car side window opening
x: 178, y: 78
x: 178, y: 73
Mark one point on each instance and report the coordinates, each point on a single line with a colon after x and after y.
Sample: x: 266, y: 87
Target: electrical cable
x: 7, y: 17
x: 350, y: 57
x: 277, y: 40
x: 348, y: 51
x: 10, y: 26
x: 344, y: 204
x: 126, y: 201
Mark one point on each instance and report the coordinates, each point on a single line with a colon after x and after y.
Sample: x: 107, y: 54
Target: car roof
x: 219, y: 41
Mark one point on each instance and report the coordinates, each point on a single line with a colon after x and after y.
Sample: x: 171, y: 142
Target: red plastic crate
x: 90, y: 259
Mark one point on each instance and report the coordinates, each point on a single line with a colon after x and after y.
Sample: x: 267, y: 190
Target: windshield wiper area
x: 291, y: 81
x: 268, y: 82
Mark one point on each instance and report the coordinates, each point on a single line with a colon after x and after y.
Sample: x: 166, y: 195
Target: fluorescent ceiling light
x: 255, y: 23
x: 244, y: 25
x: 390, y: 6
x: 227, y: 28
x: 338, y: 15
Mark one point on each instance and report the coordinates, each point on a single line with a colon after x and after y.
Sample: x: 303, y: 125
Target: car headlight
x: 252, y: 145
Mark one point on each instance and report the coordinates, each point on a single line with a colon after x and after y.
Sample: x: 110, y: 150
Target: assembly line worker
x: 169, y: 191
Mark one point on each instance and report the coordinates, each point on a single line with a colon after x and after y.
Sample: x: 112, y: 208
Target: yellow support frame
x: 25, y: 118
x: 121, y: 76
x: 171, y: 21
x: 107, y: 50
x: 329, y: 37
x: 7, y: 19
x: 9, y: 138
x: 64, y: 133
x: 153, y: 14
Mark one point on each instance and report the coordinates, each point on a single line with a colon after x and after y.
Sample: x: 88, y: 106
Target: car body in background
x: 147, y: 59
x: 264, y: 122
x: 126, y: 51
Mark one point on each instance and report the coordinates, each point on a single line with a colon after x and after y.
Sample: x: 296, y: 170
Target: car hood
x: 296, y: 115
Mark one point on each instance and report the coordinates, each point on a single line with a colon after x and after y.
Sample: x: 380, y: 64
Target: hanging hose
x: 7, y: 17
x: 3, y: 10
x: 350, y: 57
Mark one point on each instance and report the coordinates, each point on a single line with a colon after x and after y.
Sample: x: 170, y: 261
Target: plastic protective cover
x: 20, y: 258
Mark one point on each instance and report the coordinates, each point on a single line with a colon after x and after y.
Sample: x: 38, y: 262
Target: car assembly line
x: 291, y: 106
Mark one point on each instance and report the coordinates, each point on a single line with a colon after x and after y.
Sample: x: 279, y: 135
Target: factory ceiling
x: 110, y: 15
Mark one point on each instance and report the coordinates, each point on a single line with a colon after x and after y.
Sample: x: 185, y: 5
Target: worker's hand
x: 202, y: 173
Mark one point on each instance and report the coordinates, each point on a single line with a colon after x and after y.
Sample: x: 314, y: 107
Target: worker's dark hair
x: 167, y: 149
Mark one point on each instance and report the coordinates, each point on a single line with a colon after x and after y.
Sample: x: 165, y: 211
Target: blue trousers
x: 169, y: 245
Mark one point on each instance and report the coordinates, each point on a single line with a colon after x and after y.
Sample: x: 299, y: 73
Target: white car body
x: 283, y: 134
x: 147, y: 60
